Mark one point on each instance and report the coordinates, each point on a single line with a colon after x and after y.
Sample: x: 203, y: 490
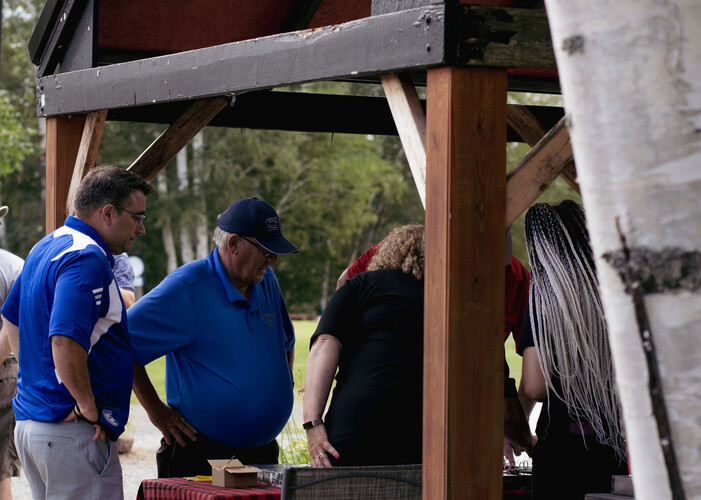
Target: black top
x: 568, y: 461
x: 376, y: 408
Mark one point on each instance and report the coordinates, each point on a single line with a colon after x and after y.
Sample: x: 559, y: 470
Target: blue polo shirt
x: 226, y: 357
x: 67, y: 288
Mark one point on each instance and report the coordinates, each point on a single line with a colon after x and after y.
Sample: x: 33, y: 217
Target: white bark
x: 166, y: 231
x: 186, y: 248
x: 630, y: 72
x: 201, y: 233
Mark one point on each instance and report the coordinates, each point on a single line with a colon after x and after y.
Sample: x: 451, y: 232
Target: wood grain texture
x: 537, y: 170
x: 175, y: 137
x: 463, y: 326
x: 410, y: 119
x: 63, y: 137
x: 87, y: 153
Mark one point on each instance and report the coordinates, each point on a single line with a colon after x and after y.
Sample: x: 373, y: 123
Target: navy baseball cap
x: 258, y: 219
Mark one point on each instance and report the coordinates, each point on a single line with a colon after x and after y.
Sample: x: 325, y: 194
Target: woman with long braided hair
x: 567, y: 361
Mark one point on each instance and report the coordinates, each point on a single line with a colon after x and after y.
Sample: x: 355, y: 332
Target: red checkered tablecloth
x: 182, y: 489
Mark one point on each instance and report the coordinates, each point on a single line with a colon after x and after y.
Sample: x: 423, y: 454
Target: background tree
x: 337, y: 194
x: 21, y: 144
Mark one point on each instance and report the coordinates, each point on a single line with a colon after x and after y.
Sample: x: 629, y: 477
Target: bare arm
x: 9, y: 339
x: 128, y: 297
x: 164, y: 417
x: 532, y: 379
x: 71, y: 362
x: 321, y: 368
x: 526, y: 402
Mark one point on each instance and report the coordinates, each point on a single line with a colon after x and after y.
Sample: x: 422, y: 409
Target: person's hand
x: 517, y: 431
x: 170, y: 422
x: 509, y: 453
x: 90, y: 415
x: 319, y: 446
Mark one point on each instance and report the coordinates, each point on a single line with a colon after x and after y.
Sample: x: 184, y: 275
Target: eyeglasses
x: 139, y: 218
x: 260, y: 248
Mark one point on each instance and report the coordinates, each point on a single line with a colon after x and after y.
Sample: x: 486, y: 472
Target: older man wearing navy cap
x: 223, y: 326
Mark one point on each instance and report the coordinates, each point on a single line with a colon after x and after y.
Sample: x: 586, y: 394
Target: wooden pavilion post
x: 464, y: 304
x: 63, y: 135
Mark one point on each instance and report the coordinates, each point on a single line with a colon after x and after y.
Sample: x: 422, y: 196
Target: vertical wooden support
x: 63, y: 134
x: 87, y: 153
x: 464, y: 320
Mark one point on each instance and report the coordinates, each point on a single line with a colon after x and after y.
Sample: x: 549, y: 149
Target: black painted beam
x: 372, y: 45
x: 301, y: 112
x: 409, y: 40
x: 63, y: 29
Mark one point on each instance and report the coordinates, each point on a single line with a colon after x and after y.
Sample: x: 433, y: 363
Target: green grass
x: 293, y: 441
x: 303, y: 332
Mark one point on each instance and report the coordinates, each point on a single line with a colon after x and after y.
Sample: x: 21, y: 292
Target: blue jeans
x: 62, y: 462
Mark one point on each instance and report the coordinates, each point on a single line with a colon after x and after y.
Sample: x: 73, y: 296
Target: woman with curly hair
x: 372, y: 331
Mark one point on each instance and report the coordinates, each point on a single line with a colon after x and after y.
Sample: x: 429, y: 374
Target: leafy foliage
x: 336, y: 194
x: 15, y: 139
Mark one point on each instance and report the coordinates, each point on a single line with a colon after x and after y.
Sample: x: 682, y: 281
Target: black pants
x: 190, y: 460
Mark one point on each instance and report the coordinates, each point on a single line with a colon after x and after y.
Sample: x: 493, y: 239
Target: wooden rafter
x: 413, y: 39
x: 87, y: 152
x: 410, y: 120
x: 537, y: 170
x: 300, y: 112
x: 531, y: 130
x: 175, y: 137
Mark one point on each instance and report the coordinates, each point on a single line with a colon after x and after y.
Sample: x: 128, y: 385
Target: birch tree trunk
x: 201, y: 233
x: 186, y: 246
x: 166, y: 231
x: 630, y: 73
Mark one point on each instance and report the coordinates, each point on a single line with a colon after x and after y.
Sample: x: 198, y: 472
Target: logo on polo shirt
x: 107, y: 415
x: 270, y: 321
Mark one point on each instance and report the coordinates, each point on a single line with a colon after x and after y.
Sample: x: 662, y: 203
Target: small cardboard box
x: 232, y: 473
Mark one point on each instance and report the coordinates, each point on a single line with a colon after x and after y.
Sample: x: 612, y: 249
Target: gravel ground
x: 138, y: 464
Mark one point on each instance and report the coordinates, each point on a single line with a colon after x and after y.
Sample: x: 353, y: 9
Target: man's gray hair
x: 220, y: 237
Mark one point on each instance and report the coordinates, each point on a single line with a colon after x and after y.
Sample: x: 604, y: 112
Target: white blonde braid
x: 567, y: 316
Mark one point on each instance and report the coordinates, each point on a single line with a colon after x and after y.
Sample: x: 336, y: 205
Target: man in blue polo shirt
x: 223, y: 326
x: 66, y: 323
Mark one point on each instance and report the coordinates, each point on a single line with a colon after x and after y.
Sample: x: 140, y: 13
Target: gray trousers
x: 62, y: 462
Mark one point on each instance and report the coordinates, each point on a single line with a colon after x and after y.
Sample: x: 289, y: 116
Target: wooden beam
x: 60, y: 34
x: 87, y: 153
x: 522, y: 120
x: 464, y: 291
x: 297, y: 111
x: 410, y: 119
x: 505, y: 38
x: 413, y: 39
x: 537, y: 170
x: 380, y: 44
x: 175, y: 137
x: 525, y: 124
x: 63, y: 138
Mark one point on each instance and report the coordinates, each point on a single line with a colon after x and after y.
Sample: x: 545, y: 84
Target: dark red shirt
x: 516, y: 283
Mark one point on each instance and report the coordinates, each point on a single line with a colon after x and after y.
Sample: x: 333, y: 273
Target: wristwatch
x: 312, y: 423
